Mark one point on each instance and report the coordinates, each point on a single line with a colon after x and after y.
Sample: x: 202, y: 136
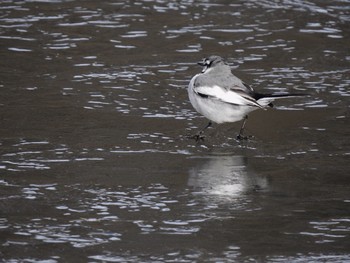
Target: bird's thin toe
x: 196, y: 137
x: 241, y: 137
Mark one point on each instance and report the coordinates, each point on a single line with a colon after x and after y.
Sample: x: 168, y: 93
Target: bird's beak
x: 201, y: 63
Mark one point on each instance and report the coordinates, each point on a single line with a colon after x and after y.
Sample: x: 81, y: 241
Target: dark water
x: 95, y: 165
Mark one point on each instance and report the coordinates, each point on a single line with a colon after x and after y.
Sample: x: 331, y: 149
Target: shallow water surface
x: 95, y: 161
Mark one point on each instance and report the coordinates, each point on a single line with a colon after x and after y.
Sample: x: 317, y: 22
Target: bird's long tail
x: 267, y: 99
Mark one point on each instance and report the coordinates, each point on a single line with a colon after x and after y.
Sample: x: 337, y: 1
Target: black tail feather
x: 261, y: 95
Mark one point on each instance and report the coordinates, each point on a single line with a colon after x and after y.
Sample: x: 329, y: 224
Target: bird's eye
x: 207, y: 62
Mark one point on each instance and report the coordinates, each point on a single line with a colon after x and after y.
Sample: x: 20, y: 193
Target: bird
x: 222, y: 97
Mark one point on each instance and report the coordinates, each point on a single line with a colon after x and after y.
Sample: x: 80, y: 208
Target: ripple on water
x: 134, y: 199
x: 313, y: 28
x: 136, y: 91
x: 93, y: 216
x: 48, y: 231
x: 329, y: 231
x: 311, y: 257
x: 40, y: 155
x: 151, y: 209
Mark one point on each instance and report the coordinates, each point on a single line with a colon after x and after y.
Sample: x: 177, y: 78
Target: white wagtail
x: 221, y: 97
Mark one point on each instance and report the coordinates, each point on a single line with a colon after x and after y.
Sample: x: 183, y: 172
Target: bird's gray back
x: 223, y: 77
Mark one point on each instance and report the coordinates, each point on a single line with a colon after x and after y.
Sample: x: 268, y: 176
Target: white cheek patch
x: 206, y: 70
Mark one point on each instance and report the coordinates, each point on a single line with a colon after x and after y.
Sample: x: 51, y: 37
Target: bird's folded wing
x: 232, y: 96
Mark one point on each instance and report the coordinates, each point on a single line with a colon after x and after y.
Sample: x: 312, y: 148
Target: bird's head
x: 211, y: 62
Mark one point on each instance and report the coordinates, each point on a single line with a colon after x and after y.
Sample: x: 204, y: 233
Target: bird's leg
x: 199, y: 135
x: 240, y: 135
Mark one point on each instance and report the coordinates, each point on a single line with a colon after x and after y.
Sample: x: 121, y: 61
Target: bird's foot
x: 197, y: 137
x: 241, y: 137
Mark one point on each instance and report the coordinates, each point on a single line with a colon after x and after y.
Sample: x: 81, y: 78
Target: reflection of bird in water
x: 225, y: 176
